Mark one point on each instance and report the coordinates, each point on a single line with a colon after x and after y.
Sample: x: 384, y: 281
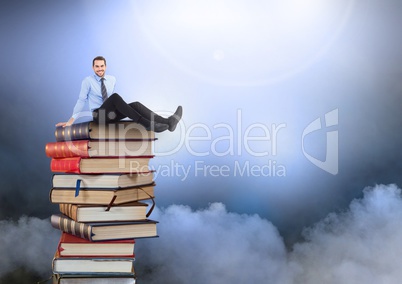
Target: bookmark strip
x: 111, y: 203
x: 77, y: 187
x: 153, y: 202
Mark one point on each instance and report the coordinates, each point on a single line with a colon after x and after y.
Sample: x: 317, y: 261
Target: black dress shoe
x: 175, y: 118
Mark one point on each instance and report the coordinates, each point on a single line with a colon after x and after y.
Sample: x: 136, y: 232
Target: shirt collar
x: 99, y: 78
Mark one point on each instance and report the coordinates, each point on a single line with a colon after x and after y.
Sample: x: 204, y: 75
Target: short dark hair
x: 98, y: 58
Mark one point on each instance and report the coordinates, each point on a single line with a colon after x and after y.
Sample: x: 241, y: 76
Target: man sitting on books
x: 107, y: 106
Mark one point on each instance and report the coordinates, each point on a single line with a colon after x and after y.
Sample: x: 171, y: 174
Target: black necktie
x: 103, y: 89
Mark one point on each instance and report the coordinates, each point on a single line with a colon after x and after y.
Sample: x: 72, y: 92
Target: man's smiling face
x: 99, y: 67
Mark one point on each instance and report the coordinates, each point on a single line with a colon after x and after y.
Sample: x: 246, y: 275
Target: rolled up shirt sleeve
x: 82, y: 98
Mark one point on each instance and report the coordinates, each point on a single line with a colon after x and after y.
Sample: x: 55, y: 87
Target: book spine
x: 69, y: 210
x: 67, y: 149
x: 72, y: 227
x: 78, y: 131
x: 66, y: 165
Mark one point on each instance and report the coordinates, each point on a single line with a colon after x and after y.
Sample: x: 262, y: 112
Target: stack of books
x: 100, y: 182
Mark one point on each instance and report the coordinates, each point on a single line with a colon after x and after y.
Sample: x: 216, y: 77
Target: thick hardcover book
x: 87, y: 265
x: 102, y: 180
x: 96, y: 213
x: 92, y: 279
x: 70, y: 245
x: 98, y: 148
x: 122, y: 130
x: 105, y: 231
x: 81, y: 165
x: 102, y: 196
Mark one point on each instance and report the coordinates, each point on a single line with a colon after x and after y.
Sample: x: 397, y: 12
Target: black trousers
x: 115, y: 109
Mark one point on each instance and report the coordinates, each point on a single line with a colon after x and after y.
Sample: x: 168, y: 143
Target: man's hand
x: 61, y: 124
x: 64, y: 124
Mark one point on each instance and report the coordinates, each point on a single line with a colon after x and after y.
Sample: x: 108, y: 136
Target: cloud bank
x: 212, y: 246
x: 30, y: 243
x: 360, y: 245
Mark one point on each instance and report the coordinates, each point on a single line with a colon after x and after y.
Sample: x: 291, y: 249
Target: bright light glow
x: 242, y: 42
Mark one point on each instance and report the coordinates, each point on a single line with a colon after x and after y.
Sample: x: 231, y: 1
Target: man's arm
x: 82, y: 99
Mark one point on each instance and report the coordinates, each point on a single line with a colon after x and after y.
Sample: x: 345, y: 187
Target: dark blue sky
x: 238, y: 70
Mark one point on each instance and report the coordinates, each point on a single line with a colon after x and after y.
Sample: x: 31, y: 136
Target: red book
x: 81, y: 165
x: 70, y: 245
x: 99, y: 148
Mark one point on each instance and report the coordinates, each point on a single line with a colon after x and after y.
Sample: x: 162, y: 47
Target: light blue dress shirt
x: 91, y: 93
